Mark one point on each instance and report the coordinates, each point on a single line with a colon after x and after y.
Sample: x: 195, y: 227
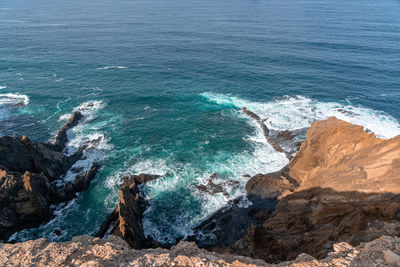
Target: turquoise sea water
x: 165, y: 81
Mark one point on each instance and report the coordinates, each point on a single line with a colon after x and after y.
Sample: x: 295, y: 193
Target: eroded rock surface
x: 126, y: 220
x: 27, y: 171
x: 113, y: 251
x: 342, y: 156
x: 342, y: 186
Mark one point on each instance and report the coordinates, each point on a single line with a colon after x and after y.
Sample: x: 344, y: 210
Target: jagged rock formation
x: 213, y: 187
x: 341, y: 186
x: 113, y: 251
x: 27, y: 170
x: 266, y: 132
x: 126, y: 220
x: 61, y: 138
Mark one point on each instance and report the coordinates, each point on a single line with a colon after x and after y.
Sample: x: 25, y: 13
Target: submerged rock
x: 273, y: 139
x: 213, y: 188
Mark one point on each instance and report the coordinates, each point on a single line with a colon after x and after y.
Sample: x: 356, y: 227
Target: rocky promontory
x: 28, y: 170
x: 342, y: 186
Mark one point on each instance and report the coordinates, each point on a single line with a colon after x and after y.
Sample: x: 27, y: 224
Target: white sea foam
x: 112, y: 67
x: 13, y: 99
x: 2, y: 87
x: 299, y: 112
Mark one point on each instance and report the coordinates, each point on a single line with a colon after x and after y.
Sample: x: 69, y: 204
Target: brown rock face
x: 342, y: 186
x: 311, y: 221
x: 24, y: 201
x: 342, y: 156
x: 126, y: 220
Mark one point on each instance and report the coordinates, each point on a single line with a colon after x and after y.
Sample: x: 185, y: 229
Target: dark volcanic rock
x: 61, y: 138
x: 229, y: 224
x: 126, y: 220
x: 21, y: 154
x: 81, y: 183
x: 24, y: 201
x: 27, y: 170
x: 266, y: 131
x: 213, y: 188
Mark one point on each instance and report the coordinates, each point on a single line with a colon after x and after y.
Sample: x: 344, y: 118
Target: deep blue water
x: 167, y: 79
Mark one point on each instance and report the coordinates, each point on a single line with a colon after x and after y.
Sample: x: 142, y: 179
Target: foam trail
x: 2, y: 87
x: 291, y: 113
x: 11, y: 99
x: 112, y: 67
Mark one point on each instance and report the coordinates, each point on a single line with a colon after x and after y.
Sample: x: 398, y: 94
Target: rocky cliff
x: 113, y: 251
x: 342, y: 186
x: 27, y: 172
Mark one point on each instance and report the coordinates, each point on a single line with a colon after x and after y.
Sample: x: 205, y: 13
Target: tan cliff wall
x: 342, y: 156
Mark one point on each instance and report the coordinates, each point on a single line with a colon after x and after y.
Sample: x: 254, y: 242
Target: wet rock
x: 229, y: 224
x: 213, y: 188
x: 61, y: 138
x: 57, y: 232
x: 126, y: 220
x: 27, y: 170
x: 81, y: 183
x: 266, y: 132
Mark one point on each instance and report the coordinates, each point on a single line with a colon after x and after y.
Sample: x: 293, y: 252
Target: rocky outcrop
x: 271, y: 185
x: 27, y: 172
x: 227, y: 225
x: 311, y: 221
x: 21, y: 155
x: 342, y: 186
x: 70, y: 189
x: 342, y: 156
x: 212, y: 187
x: 61, y: 138
x: 113, y: 251
x: 266, y: 132
x: 126, y: 220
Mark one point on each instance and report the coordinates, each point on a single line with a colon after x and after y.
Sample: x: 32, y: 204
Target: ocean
x: 161, y: 84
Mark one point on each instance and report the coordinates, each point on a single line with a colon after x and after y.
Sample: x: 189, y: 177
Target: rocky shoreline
x: 336, y: 202
x: 28, y: 171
